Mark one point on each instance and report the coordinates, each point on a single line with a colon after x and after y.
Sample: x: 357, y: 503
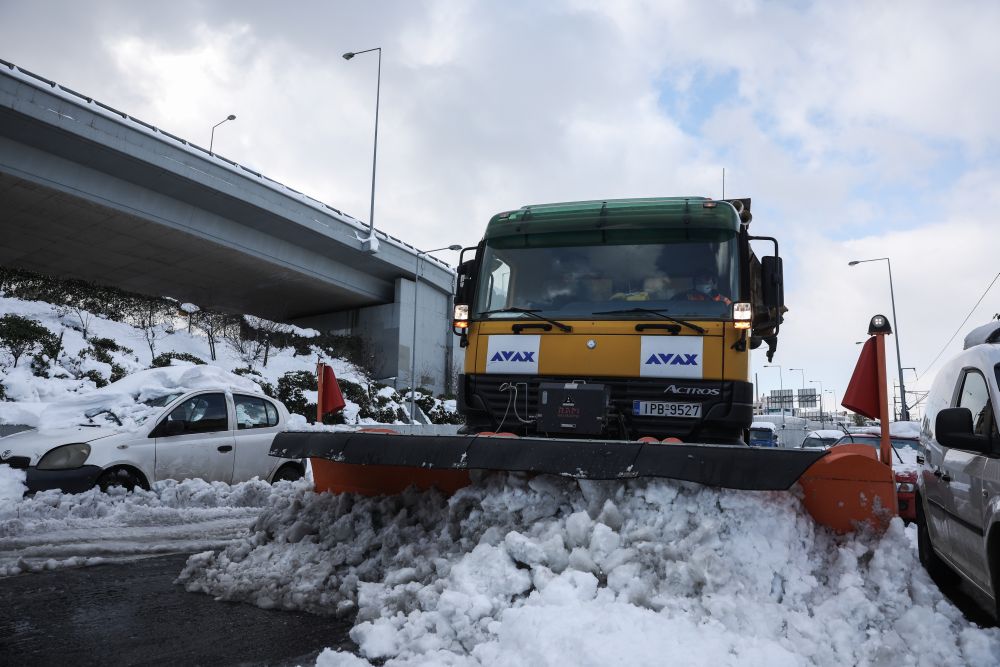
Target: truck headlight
x: 65, y: 457
x: 742, y: 315
x: 461, y: 319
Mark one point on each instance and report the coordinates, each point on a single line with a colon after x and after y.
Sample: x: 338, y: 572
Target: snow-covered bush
x: 291, y: 388
x: 21, y: 335
x: 167, y: 358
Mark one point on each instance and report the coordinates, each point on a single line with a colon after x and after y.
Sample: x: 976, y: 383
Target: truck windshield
x: 690, y: 279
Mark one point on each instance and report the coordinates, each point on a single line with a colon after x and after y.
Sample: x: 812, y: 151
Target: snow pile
x: 12, y: 486
x: 126, y: 399
x: 52, y: 529
x: 910, y: 429
x: 552, y: 572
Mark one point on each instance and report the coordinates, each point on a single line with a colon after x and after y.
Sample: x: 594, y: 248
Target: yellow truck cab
x: 617, y: 319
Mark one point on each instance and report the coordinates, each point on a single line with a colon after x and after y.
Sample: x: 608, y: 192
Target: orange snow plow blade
x: 849, y: 487
x: 335, y: 477
x: 844, y: 486
x: 330, y: 476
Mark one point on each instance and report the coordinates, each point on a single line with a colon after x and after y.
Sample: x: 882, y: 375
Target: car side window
x: 205, y: 413
x: 975, y: 396
x: 254, y: 412
x: 272, y: 413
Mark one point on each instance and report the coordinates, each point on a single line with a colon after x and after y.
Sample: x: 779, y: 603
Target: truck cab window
x: 685, y: 276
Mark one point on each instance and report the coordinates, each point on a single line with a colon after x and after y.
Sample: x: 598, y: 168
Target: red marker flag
x: 862, y: 395
x: 330, y: 397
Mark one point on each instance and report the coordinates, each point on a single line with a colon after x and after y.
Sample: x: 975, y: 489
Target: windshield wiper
x: 105, y: 411
x: 662, y: 314
x: 533, y: 312
x: 878, y: 446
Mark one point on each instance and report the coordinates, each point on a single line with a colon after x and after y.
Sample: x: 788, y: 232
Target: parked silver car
x: 958, y: 508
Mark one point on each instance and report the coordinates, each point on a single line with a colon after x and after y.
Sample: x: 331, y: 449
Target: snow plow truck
x: 603, y: 340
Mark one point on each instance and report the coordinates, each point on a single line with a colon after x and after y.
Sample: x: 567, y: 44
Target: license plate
x: 661, y: 409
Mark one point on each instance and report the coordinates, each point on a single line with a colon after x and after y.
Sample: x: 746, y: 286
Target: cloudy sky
x: 859, y: 129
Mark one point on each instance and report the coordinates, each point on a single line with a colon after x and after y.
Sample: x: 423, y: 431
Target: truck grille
x: 485, y: 391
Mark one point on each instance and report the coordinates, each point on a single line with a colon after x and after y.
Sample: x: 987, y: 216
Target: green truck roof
x: 678, y: 213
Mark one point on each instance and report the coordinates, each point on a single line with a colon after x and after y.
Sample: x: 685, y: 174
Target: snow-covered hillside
x: 112, y: 349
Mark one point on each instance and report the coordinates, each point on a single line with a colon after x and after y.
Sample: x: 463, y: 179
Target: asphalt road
x: 133, y: 614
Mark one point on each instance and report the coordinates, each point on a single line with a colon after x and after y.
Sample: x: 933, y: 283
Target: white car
x: 958, y: 504
x: 214, y: 434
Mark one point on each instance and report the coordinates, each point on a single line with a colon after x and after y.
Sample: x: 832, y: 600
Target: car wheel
x: 937, y: 568
x: 287, y: 473
x: 123, y: 477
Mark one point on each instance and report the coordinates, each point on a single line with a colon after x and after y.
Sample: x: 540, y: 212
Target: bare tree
x: 149, y: 316
x: 213, y: 325
x: 190, y: 309
x: 244, y: 341
x: 265, y: 331
x: 77, y: 312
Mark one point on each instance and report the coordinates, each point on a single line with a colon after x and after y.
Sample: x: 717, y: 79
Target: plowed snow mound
x: 556, y: 572
x: 53, y: 529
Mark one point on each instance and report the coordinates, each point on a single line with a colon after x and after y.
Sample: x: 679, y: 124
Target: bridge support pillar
x: 388, y: 333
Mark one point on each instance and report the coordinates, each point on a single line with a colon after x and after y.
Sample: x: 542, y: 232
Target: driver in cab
x: 704, y: 288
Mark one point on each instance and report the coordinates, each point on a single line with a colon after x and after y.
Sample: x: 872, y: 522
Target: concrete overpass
x: 89, y: 192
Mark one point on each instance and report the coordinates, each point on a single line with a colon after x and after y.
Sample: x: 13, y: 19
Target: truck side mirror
x: 772, y: 284
x: 465, y: 289
x: 953, y: 428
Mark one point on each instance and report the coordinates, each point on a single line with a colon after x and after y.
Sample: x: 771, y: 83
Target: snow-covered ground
x: 556, y: 572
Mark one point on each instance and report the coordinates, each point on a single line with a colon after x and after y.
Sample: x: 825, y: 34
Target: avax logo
x: 510, y: 355
x: 672, y: 360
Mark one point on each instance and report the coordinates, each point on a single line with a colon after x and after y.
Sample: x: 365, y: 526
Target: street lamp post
x: 371, y: 243
x: 413, y: 342
x: 822, y: 422
x: 211, y: 141
x: 781, y: 384
x: 904, y: 412
x: 803, y: 373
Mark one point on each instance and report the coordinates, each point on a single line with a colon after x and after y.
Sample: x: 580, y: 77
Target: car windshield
x: 161, y: 401
x: 683, y: 277
x: 760, y: 433
x: 157, y: 402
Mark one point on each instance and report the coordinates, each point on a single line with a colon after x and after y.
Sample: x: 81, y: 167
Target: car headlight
x: 65, y: 457
x: 905, y: 487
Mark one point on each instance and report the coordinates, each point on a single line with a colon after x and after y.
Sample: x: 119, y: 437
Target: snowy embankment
x: 556, y: 572
x: 53, y: 529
